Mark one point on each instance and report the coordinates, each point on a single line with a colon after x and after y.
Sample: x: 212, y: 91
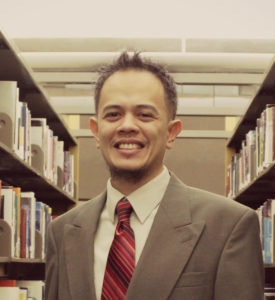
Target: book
x: 7, y: 282
x: 35, y: 288
x: 10, y: 293
x: 266, y: 216
x: 269, y: 291
x: 16, y: 224
x: 23, y: 233
x: 22, y: 293
x: 256, y: 154
x: 28, y: 203
x: 1, y: 202
x: 42, y: 220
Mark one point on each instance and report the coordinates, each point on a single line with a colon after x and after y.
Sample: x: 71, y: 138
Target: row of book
x: 266, y: 215
x: 256, y: 154
x: 22, y: 290
x: 24, y: 216
x: 49, y: 156
x: 32, y: 140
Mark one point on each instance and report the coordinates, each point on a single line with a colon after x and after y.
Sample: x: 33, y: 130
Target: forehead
x: 133, y: 81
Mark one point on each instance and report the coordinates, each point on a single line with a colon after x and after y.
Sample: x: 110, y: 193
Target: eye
x: 112, y: 115
x: 146, y: 116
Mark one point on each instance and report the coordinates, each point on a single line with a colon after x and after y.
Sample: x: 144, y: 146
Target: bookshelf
x: 16, y: 172
x: 259, y: 189
x: 262, y: 187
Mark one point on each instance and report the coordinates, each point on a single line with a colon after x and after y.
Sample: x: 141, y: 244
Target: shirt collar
x: 143, y: 200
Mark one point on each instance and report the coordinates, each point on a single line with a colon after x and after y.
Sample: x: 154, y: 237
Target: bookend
x: 6, y: 130
x: 37, y: 158
x: 5, y: 241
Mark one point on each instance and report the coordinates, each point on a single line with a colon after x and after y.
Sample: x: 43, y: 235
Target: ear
x: 94, y: 129
x: 174, y: 128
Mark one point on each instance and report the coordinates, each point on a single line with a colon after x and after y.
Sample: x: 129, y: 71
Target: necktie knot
x: 124, y: 210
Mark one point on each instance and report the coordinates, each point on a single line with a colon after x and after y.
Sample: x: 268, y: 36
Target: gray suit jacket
x: 201, y: 247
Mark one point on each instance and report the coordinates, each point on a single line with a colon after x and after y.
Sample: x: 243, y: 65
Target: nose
x: 128, y: 124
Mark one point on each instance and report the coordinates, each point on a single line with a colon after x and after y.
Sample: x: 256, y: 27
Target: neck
x: 127, y: 182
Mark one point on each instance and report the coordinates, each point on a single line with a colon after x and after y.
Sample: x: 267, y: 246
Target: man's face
x: 133, y: 127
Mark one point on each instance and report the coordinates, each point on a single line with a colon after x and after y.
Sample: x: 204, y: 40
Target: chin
x: 128, y: 173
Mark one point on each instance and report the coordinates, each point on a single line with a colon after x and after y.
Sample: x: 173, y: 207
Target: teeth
x: 129, y: 146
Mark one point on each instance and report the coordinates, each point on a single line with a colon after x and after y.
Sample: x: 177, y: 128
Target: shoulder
x: 205, y: 204
x: 207, y: 201
x: 73, y: 215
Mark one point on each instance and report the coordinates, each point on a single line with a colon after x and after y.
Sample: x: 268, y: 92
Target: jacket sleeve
x: 240, y: 273
x: 51, y: 282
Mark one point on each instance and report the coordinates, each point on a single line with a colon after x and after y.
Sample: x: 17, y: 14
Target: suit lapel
x: 79, y: 250
x: 170, y: 243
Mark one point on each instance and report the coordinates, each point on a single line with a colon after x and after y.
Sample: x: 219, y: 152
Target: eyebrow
x: 140, y: 106
x: 110, y: 107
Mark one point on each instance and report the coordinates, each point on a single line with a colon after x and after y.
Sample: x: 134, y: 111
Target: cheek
x: 105, y: 133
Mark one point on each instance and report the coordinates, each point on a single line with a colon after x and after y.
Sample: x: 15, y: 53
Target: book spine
x: 23, y: 229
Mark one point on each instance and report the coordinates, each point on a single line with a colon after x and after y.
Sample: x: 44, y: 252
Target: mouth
x: 129, y: 145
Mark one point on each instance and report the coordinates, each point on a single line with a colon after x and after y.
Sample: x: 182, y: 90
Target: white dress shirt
x: 145, y: 202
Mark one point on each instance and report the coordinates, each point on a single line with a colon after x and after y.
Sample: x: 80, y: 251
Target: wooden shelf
x: 265, y: 95
x: 14, y: 68
x: 16, y: 172
x: 20, y: 260
x: 22, y: 269
x: 258, y: 190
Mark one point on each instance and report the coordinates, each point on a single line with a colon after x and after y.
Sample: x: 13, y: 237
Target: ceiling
x: 66, y: 67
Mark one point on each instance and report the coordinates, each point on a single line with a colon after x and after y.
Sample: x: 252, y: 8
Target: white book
x: 9, y: 293
x: 47, y: 151
x: 28, y: 137
x: 261, y: 143
x: 72, y: 175
x: 55, y: 151
x: 35, y: 288
x: 60, y: 154
x: 21, y: 133
x: 268, y: 147
x: 50, y: 157
x: 17, y: 124
x: 23, y: 294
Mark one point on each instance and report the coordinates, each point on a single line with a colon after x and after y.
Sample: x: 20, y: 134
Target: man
x: 176, y: 242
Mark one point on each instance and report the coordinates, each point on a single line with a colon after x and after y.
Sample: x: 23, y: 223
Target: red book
x: 6, y: 282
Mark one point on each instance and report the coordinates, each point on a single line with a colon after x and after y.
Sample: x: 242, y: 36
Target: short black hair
x: 135, y: 62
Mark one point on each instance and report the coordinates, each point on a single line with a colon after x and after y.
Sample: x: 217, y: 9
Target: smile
x: 128, y: 146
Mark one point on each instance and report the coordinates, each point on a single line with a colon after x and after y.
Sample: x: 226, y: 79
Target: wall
x: 198, y: 162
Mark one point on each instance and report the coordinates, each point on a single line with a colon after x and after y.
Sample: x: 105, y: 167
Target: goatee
x: 132, y: 176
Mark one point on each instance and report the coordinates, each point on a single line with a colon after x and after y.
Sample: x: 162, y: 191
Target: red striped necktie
x: 121, y: 260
